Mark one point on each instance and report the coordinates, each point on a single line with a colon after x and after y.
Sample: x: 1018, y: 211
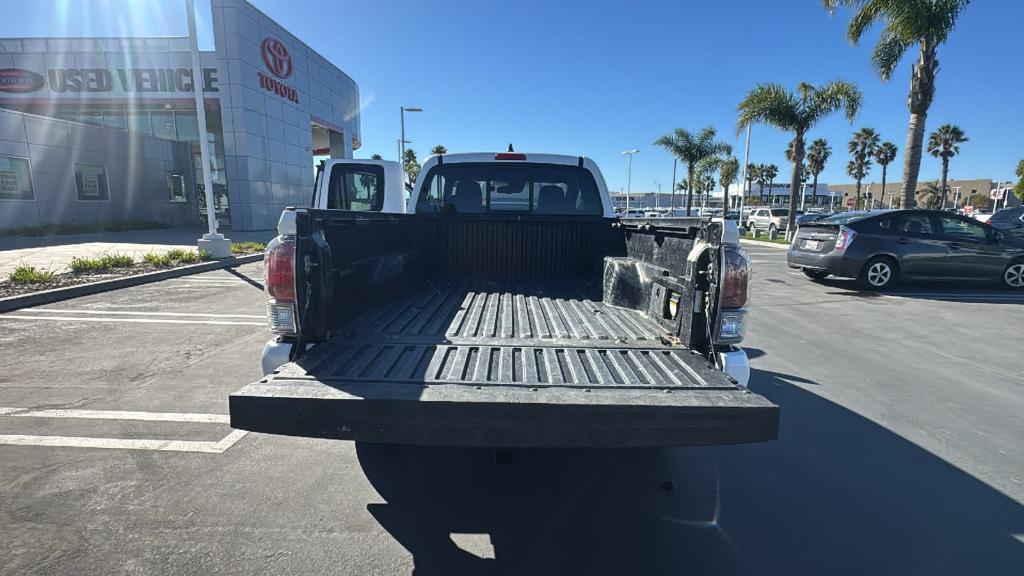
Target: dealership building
x: 103, y: 130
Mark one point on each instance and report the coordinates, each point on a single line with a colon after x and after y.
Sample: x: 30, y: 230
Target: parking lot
x: 899, y: 452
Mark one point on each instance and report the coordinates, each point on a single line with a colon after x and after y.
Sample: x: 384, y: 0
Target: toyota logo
x: 276, y: 57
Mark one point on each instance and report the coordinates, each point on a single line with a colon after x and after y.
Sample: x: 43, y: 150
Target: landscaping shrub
x: 25, y: 274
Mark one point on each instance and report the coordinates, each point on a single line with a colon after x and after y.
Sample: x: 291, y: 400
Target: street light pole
x: 672, y: 192
x: 743, y: 179
x: 629, y: 175
x: 403, y: 142
x: 213, y: 243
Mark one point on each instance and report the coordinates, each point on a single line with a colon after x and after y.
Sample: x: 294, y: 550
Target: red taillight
x: 735, y: 279
x: 509, y: 156
x: 845, y: 238
x: 279, y: 265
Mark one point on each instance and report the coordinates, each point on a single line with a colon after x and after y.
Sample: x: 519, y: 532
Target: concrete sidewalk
x: 55, y: 252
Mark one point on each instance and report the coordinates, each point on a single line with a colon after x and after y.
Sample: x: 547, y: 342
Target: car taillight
x: 279, y: 277
x: 735, y: 278
x: 845, y: 238
x: 732, y: 317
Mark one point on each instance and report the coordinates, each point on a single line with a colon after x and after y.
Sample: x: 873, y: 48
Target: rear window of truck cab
x: 502, y: 188
x: 356, y: 187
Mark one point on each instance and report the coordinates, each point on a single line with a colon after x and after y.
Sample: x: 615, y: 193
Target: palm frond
x: 836, y: 95
x: 888, y: 53
x: 769, y: 104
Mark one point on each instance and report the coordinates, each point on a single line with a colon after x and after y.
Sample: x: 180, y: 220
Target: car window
x: 500, y: 187
x: 915, y: 224
x: 880, y: 225
x: 962, y: 230
x: 356, y: 187
x: 780, y: 212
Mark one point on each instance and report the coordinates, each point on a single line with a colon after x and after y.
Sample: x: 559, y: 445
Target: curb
x: 68, y: 292
x: 762, y: 243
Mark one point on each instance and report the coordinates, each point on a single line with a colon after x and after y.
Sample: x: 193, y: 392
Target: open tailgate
x: 505, y: 396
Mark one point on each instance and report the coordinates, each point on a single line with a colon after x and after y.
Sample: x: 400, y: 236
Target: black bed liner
x: 504, y: 365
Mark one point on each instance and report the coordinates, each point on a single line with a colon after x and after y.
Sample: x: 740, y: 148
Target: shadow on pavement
x: 836, y: 494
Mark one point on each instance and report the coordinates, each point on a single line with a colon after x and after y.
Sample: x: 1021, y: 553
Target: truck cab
x: 358, y: 185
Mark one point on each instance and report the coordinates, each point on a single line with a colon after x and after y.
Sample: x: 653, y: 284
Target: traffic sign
x: 996, y: 194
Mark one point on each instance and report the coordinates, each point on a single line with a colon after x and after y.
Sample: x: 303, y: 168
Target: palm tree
x: 762, y: 180
x: 773, y: 105
x: 817, y: 156
x: 412, y: 165
x: 861, y: 147
x: 705, y: 181
x: 727, y: 174
x: 884, y: 154
x: 770, y: 172
x: 691, y: 148
x: 945, y: 143
x: 931, y: 194
x: 376, y: 157
x: 924, y: 23
x: 753, y: 175
x: 438, y: 150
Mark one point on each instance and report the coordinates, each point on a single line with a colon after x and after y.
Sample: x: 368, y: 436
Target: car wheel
x: 816, y: 274
x: 878, y: 273
x: 1013, y: 276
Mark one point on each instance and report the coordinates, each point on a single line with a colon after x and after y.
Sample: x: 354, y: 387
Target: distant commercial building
x: 776, y: 195
x: 99, y: 130
x: 871, y: 192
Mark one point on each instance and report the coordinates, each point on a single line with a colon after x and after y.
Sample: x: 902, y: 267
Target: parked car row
x: 879, y: 248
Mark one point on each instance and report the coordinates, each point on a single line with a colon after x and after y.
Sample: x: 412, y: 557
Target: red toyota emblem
x: 276, y: 57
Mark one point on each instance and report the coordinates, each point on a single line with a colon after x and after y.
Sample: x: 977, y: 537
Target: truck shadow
x: 836, y: 493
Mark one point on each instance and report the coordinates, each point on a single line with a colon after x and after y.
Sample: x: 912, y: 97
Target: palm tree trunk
x: 945, y: 172
x: 689, y: 187
x: 922, y: 85
x: 794, y: 185
x: 884, y: 166
x: 858, y: 194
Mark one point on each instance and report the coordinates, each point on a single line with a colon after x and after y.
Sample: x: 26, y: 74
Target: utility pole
x: 743, y: 179
x: 213, y: 243
x: 672, y: 193
x: 629, y: 175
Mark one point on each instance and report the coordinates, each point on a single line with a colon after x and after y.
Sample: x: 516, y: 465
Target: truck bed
x: 504, y: 365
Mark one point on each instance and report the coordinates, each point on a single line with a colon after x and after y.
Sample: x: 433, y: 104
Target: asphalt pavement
x: 899, y: 453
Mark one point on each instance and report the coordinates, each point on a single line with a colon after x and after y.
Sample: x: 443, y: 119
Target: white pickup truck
x: 504, y: 305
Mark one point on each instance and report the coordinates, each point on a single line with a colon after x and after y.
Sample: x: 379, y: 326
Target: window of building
x: 116, y: 120
x: 91, y: 182
x: 188, y: 128
x: 15, y: 179
x: 356, y: 187
x: 176, y: 187
x: 91, y: 118
x: 163, y: 125
x: 139, y: 122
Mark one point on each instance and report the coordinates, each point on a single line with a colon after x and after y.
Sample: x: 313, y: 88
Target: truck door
x: 360, y: 186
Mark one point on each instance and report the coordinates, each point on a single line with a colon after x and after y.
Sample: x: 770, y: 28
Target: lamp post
x: 629, y: 175
x: 743, y: 178
x: 213, y: 243
x: 672, y: 191
x: 402, y: 142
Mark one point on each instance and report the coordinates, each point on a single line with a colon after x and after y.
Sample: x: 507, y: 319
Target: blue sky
x: 596, y: 78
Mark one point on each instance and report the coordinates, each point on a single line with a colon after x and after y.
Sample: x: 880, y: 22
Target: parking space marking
x: 137, y: 313
x: 132, y: 320
x: 117, y: 415
x: 121, y: 444
x: 207, y: 447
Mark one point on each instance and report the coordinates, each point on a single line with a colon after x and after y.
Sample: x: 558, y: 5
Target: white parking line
x: 117, y: 415
x: 121, y: 444
x: 131, y: 320
x: 217, y: 447
x: 135, y: 313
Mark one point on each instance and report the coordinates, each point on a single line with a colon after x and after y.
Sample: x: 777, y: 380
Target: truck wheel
x: 816, y: 274
x: 1013, y: 276
x: 879, y: 273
